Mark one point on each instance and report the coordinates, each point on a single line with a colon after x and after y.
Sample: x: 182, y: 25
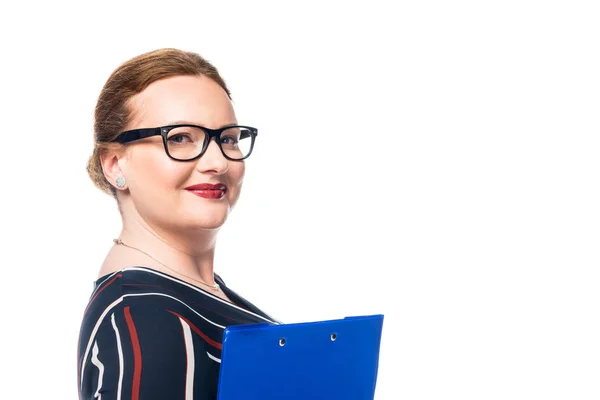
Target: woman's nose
x: 213, y: 158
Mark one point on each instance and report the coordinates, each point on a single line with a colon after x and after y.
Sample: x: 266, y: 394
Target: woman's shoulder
x: 151, y: 297
x: 146, y: 288
x: 129, y: 278
x: 119, y: 288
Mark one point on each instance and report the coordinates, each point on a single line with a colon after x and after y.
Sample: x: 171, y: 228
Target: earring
x: 120, y: 181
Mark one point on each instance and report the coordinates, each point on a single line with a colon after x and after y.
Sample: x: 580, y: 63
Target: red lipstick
x: 207, y: 190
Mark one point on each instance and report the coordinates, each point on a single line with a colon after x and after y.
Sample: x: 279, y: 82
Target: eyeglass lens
x: 186, y: 142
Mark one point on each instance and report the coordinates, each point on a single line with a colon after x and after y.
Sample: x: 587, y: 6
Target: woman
x: 170, y: 150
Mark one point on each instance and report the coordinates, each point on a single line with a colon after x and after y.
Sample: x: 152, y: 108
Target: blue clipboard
x: 336, y: 359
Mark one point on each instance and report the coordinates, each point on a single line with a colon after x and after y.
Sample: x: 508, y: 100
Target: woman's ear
x: 111, y: 166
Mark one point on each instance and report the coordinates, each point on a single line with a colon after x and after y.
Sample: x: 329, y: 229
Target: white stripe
x: 120, y: 299
x: 149, y: 270
x: 93, y: 335
x: 213, y: 357
x: 189, y: 349
x: 120, y: 351
x: 100, y: 366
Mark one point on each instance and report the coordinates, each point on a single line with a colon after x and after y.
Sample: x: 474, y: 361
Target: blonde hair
x: 112, y: 114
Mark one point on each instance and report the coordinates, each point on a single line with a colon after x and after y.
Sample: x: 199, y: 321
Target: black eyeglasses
x: 185, y: 142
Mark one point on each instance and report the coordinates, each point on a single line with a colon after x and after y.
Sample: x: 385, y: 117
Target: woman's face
x: 157, y: 183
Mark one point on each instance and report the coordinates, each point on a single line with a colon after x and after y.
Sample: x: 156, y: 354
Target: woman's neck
x: 190, y: 253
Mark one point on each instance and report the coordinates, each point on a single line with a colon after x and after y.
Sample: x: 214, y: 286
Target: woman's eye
x: 229, y: 140
x: 180, y: 138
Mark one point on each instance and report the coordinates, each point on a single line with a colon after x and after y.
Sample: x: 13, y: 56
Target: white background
x: 434, y: 161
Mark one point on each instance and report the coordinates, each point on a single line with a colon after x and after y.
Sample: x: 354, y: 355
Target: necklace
x: 214, y: 287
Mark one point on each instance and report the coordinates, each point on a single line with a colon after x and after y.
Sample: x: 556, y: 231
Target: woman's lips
x: 208, y: 190
x: 209, y: 194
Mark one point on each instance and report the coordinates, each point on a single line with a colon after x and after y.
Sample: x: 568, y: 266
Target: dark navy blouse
x: 148, y: 335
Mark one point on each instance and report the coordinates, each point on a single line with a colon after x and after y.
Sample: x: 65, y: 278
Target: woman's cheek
x: 237, y: 177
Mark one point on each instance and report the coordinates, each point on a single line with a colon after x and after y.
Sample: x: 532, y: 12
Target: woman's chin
x: 210, y: 215
x: 206, y: 221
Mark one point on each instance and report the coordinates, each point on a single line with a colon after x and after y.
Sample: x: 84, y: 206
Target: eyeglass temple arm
x: 246, y: 133
x: 136, y: 134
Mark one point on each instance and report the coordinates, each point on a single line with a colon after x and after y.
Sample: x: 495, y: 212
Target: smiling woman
x: 153, y: 325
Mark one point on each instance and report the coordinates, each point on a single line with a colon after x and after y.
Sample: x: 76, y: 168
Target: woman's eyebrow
x: 195, y: 123
x: 181, y: 122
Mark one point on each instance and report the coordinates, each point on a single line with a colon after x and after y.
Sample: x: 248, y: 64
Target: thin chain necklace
x: 214, y: 287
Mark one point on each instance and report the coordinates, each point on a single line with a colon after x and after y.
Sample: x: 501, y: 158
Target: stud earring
x: 120, y: 181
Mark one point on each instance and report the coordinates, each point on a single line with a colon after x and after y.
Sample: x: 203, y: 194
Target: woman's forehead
x: 196, y: 99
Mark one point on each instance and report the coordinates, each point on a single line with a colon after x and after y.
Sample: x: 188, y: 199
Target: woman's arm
x: 141, y: 352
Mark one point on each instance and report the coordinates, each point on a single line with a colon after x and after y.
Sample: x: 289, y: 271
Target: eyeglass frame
x: 142, y: 133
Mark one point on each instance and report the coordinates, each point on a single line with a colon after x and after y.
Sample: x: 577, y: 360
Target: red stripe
x: 137, y: 355
x: 208, y: 340
x: 100, y: 291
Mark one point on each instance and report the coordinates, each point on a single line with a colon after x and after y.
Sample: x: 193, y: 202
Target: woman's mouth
x: 208, y: 191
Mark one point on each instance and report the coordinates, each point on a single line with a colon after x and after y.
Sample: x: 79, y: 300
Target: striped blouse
x: 148, y: 335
